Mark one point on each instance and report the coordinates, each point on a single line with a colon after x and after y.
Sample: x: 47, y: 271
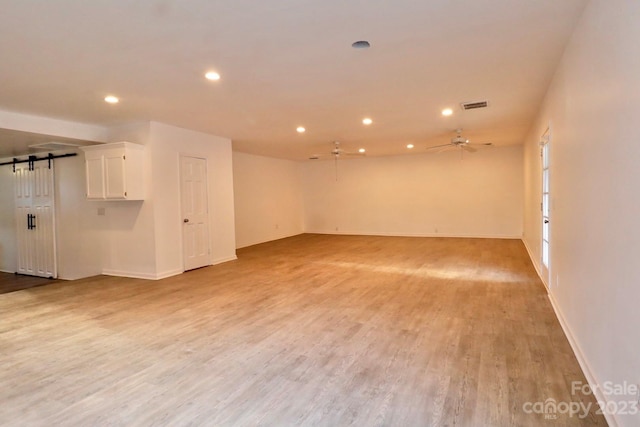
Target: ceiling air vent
x: 474, y: 105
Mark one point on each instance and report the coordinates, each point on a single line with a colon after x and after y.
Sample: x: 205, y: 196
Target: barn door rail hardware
x: 32, y: 159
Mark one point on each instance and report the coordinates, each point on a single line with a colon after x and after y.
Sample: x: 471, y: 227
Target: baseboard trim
x: 400, y: 234
x: 145, y: 276
x: 169, y: 273
x: 536, y: 264
x: 595, y: 385
x: 129, y: 274
x: 159, y: 276
x: 223, y: 259
x: 7, y: 271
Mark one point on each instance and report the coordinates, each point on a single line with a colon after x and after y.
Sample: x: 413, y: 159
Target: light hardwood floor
x: 310, y: 330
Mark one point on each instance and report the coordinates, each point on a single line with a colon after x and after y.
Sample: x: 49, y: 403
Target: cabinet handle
x: 185, y: 220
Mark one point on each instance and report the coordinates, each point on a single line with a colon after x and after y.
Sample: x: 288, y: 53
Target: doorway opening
x: 545, y: 205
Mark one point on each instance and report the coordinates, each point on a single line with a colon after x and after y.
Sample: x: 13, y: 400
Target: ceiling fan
x: 336, y: 153
x: 460, y: 142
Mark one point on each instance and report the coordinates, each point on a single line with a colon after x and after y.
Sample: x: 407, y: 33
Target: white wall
x: 132, y: 238
x: 167, y: 144
x: 129, y: 234
x: 79, y: 227
x: 143, y: 239
x: 268, y: 199
x: 431, y: 194
x: 8, y: 259
x: 75, y: 254
x: 78, y: 239
x: 593, y: 106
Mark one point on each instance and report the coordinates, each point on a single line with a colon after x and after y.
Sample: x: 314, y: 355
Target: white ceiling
x: 15, y: 143
x: 286, y: 63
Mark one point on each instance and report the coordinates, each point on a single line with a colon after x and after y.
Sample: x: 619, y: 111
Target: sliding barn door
x: 23, y: 179
x: 35, y: 219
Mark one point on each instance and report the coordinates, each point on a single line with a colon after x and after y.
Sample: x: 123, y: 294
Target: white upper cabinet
x: 115, y: 171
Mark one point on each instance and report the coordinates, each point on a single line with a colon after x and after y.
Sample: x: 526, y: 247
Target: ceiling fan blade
x: 347, y: 153
x: 448, y: 147
x: 469, y: 149
x: 320, y: 156
x: 440, y: 146
x: 482, y: 144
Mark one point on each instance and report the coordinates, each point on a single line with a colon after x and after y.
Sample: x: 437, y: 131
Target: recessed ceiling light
x: 447, y: 112
x: 367, y: 121
x: 300, y: 129
x: 409, y: 146
x: 212, y: 75
x: 111, y: 99
x: 362, y: 150
x: 361, y: 44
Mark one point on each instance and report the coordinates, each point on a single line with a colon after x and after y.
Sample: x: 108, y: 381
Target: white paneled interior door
x: 35, y: 219
x: 23, y: 184
x: 195, y: 212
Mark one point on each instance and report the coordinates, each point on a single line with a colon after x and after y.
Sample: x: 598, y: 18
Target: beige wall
x: 268, y: 199
x: 593, y: 106
x: 430, y: 194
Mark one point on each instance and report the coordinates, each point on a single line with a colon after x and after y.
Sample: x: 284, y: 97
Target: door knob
x: 185, y: 220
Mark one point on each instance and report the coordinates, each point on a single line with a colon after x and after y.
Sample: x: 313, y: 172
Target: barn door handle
x: 31, y: 222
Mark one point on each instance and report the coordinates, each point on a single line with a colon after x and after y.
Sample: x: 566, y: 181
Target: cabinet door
x: 115, y: 171
x: 95, y: 174
x: 114, y: 180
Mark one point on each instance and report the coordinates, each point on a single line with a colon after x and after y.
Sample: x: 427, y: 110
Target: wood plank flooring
x: 10, y: 282
x: 311, y: 330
